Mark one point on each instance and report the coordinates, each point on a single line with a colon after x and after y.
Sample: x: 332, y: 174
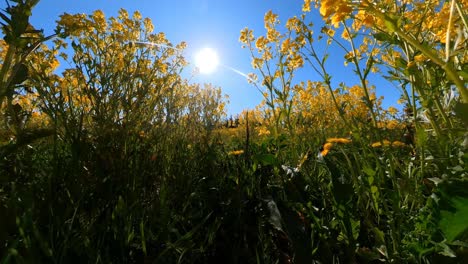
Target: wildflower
x: 419, y: 58
x: 263, y: 131
x: 306, y: 6
x: 261, y: 43
x: 379, y: 144
x: 246, y: 35
x: 325, y: 149
x: 236, y: 152
x: 339, y: 140
x: 286, y: 46
x: 398, y: 144
x: 392, y: 110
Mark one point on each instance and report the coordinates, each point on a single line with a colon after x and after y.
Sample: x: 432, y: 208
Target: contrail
x: 238, y: 72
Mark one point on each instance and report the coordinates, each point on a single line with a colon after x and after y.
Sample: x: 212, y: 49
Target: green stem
x: 370, y: 104
x: 441, y: 110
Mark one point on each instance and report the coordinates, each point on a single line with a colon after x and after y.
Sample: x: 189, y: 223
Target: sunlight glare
x: 206, y: 60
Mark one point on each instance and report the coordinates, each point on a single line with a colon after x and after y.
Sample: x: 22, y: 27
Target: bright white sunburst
x: 206, y: 60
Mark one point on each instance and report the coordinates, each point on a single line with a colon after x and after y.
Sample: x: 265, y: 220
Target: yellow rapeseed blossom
x: 387, y: 143
x: 261, y: 43
x: 236, y: 152
x: 339, y: 140
x: 398, y: 144
x: 286, y: 46
x: 148, y: 25
x: 100, y: 19
x: 326, y: 148
x: 246, y: 35
x: 270, y: 18
x: 419, y: 58
x: 263, y: 131
x: 306, y: 6
x: 379, y: 144
x: 293, y: 24
x: 392, y: 110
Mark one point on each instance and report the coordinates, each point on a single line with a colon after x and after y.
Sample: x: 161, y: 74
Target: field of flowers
x: 119, y: 159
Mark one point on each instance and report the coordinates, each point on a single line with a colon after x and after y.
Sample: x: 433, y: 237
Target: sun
x: 206, y: 60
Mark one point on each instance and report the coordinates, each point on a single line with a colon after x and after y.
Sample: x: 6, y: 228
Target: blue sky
x: 207, y: 23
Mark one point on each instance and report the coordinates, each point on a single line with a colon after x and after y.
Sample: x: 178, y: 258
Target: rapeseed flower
x: 325, y: 149
x: 387, y: 143
x: 339, y: 140
x: 236, y: 152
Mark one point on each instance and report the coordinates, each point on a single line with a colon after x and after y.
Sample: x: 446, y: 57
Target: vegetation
x: 118, y: 158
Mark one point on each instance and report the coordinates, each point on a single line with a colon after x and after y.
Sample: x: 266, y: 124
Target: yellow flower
x: 327, y: 146
x: 326, y: 8
x: 379, y: 144
x: 295, y: 61
x: 148, y: 25
x: 261, y: 43
x: 325, y: 149
x: 236, y: 152
x: 286, y: 46
x: 99, y: 18
x: 246, y: 35
x: 137, y: 15
x: 345, y: 35
x: 392, y: 124
x: 270, y: 17
x: 263, y: 131
x: 419, y: 58
x: 392, y: 110
x: 398, y: 144
x: 339, y: 140
x: 306, y: 6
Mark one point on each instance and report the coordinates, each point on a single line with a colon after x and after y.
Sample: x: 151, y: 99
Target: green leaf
x: 453, y: 221
x: 369, y: 171
x: 461, y: 111
x: 266, y: 159
x: 382, y: 37
x: 142, y: 233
